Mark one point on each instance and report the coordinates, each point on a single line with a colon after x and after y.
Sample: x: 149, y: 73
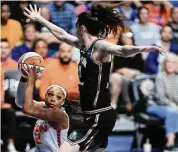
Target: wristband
x: 22, y: 79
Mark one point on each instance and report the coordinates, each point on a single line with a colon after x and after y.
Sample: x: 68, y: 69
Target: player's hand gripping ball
x: 30, y: 59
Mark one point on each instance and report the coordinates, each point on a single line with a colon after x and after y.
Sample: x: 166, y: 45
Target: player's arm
x: 59, y: 33
x: 24, y: 99
x: 124, y: 51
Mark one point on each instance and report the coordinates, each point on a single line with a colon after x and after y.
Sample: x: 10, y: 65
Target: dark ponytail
x: 102, y: 20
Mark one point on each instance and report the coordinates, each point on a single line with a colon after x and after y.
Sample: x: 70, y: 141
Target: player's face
x: 5, y: 50
x: 5, y: 12
x: 30, y: 33
x: 171, y: 66
x: 54, y: 97
x: 41, y: 48
x: 65, y: 53
x: 166, y: 34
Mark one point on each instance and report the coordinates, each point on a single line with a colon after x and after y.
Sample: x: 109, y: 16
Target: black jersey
x: 94, y: 81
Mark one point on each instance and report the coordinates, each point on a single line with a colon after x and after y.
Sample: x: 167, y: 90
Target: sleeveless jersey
x: 94, y: 81
x: 47, y: 138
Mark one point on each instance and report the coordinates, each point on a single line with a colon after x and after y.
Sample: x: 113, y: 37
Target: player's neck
x: 88, y: 40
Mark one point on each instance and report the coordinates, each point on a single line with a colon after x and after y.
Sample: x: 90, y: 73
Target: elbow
x: 65, y: 123
x: 125, y: 54
x: 27, y: 109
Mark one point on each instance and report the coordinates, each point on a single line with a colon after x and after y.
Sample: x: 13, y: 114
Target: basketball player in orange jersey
x: 51, y: 127
x: 95, y: 65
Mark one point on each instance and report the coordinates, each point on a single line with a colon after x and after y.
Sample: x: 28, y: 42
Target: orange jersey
x: 12, y: 31
x: 155, y: 16
x: 64, y: 75
x: 9, y: 64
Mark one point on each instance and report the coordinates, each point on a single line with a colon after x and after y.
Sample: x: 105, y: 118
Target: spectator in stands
x: 17, y: 8
x: 173, y: 3
x: 6, y: 61
x: 145, y: 33
x: 135, y: 62
x: 75, y: 53
x: 129, y: 12
x: 42, y: 3
x: 11, y: 29
x: 40, y: 46
x: 63, y: 15
x: 63, y: 72
x: 166, y: 104
x: 160, y: 12
x: 8, y: 121
x: 82, y: 6
x: 125, y: 69
x: 152, y: 63
x: 26, y: 46
x: 174, y: 25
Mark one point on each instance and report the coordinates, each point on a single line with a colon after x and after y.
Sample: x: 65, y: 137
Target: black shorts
x: 98, y: 126
x: 75, y: 114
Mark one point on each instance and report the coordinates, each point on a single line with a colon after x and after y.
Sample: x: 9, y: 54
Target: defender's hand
x: 33, y: 13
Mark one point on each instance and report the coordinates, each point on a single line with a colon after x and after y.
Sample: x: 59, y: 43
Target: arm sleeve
x: 19, y: 99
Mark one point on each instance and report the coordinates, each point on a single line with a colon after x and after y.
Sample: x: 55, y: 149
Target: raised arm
x: 124, y: 51
x: 34, y: 14
x: 19, y: 98
x: 38, y: 109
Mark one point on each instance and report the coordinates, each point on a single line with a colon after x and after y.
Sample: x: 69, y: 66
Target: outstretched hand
x: 31, y: 73
x: 153, y: 48
x: 33, y: 13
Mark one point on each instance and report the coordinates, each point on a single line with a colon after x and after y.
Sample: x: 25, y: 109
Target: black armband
x: 22, y: 79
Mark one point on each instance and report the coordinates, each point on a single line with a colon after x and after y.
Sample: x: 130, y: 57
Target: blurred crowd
x: 148, y: 23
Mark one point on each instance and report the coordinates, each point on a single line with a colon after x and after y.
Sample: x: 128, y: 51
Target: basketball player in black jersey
x: 95, y: 66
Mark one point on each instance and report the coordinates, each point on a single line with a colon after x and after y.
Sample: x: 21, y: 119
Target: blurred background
x: 144, y: 87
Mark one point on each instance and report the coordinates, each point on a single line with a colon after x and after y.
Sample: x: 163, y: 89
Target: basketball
x: 30, y: 59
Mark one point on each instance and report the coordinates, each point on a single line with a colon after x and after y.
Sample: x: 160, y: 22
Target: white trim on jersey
x: 99, y: 79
